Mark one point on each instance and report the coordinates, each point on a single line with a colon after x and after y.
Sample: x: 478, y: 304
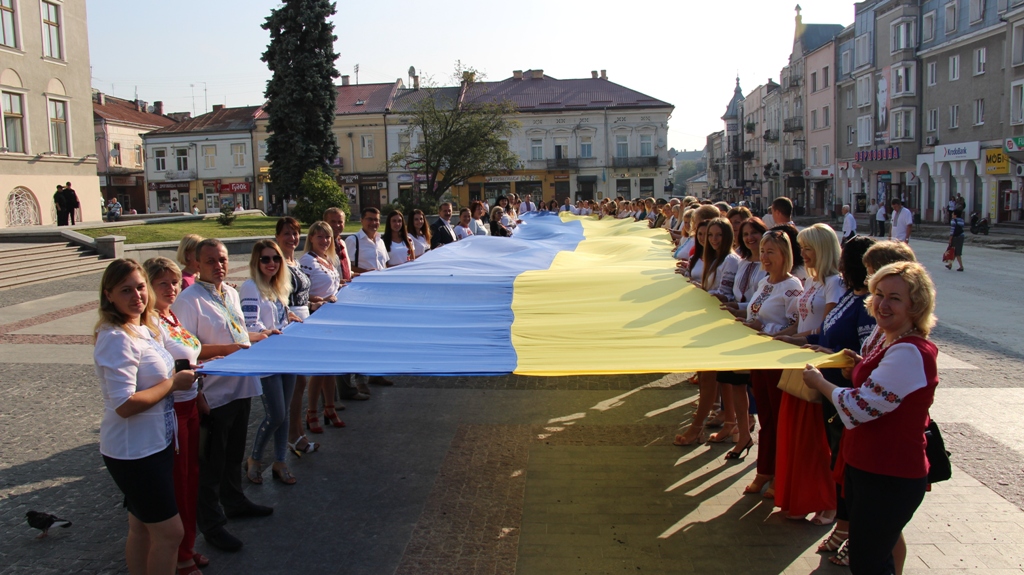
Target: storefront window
x: 646, y: 187
x: 624, y: 188
x: 493, y: 191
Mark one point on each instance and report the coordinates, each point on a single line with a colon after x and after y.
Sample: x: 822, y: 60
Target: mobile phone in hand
x: 182, y: 365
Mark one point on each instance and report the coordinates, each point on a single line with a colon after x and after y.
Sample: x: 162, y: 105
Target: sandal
x: 758, y: 484
x: 254, y: 471
x: 313, y: 421
x: 192, y: 569
x: 834, y: 541
x: 298, y: 450
x: 201, y: 560
x: 820, y: 518
x: 843, y: 557
x: 331, y: 416
x: 715, y: 419
x: 698, y: 439
x: 728, y: 430
x: 283, y: 475
x: 741, y: 454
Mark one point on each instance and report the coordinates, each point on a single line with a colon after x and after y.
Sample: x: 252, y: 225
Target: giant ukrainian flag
x: 565, y: 296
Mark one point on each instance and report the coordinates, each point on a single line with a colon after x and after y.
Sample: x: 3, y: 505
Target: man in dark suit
x: 59, y: 203
x: 70, y: 202
x: 441, y: 231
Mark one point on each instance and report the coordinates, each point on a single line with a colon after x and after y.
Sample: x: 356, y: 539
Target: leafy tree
x: 227, y: 215
x: 318, y: 191
x: 685, y: 171
x: 459, y: 139
x: 301, y: 93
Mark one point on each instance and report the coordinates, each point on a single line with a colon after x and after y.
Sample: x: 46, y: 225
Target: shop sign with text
x: 997, y: 163
x: 1015, y: 144
x: 964, y: 151
x: 881, y: 154
x: 235, y: 188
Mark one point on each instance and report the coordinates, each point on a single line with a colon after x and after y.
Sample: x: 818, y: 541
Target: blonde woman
x: 187, y: 259
x: 137, y: 379
x: 321, y: 265
x: 264, y: 299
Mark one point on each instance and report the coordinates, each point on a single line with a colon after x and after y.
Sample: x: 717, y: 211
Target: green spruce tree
x: 301, y: 93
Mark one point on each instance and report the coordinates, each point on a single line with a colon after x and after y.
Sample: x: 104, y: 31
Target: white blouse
x: 398, y: 254
x: 420, y: 245
x: 127, y: 363
x: 748, y: 276
x: 478, y: 228
x: 259, y: 312
x: 816, y: 296
x: 462, y: 233
x: 324, y: 280
x: 697, y: 271
x: 724, y: 278
x: 181, y: 344
x: 776, y: 304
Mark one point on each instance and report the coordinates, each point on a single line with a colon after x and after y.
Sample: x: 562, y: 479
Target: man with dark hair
x: 902, y: 222
x: 61, y: 206
x: 441, y: 231
x: 70, y: 202
x: 366, y: 247
x: 782, y: 211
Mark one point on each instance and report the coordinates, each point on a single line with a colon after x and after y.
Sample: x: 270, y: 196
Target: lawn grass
x: 243, y: 226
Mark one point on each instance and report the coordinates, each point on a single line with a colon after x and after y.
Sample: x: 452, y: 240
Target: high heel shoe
x: 741, y: 454
x: 313, y: 421
x: 331, y: 416
x: 758, y: 484
x: 698, y: 439
x: 834, y: 541
x: 728, y: 430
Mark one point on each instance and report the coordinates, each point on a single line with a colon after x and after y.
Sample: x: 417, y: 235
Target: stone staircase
x: 23, y: 264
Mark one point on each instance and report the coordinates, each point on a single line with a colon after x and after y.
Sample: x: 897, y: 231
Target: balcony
x: 642, y: 162
x: 179, y: 175
x: 794, y: 124
x: 749, y: 156
x: 794, y: 165
x: 795, y: 80
x: 564, y: 164
x: 771, y: 135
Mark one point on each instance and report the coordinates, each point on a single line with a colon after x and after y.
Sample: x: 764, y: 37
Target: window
x: 138, y: 156
x: 238, y: 154
x: 864, y: 91
x: 865, y: 131
x: 1001, y: 6
x: 931, y: 73
x: 980, y: 55
x: 849, y: 134
x: 863, y: 47
x: 1017, y: 102
x: 954, y: 68
x: 209, y: 157
x: 7, y: 37
x: 824, y: 77
x: 826, y: 155
x: 902, y: 125
x: 928, y: 27
x: 814, y: 119
x: 621, y: 147
x: 951, y: 17
x: 181, y: 159
x: 404, y: 143
x: 826, y: 113
x: 160, y: 159
x: 814, y: 81
x: 977, y: 11
x: 846, y: 60
x: 116, y: 154
x: 903, y: 80
x: 814, y: 156
x: 536, y: 149
x: 366, y: 145
x: 59, y: 127
x: 954, y: 116
x: 901, y: 35
x: 51, y: 31
x: 646, y: 145
x: 1017, y: 54
x: 849, y: 98
x: 933, y: 120
x: 561, y: 148
x: 14, y: 123
x: 586, y: 146
x: 979, y: 111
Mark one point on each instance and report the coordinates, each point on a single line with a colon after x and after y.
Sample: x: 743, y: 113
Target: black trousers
x: 221, y: 453
x: 62, y: 217
x: 880, y: 506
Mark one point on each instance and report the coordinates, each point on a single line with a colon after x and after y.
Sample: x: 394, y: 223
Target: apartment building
x: 759, y: 149
x: 819, y: 95
x: 730, y: 186
x: 1010, y: 202
x: 46, y: 135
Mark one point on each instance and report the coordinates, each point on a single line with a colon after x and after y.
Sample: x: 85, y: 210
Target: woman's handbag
x: 792, y: 382
x: 939, y: 467
x: 949, y: 254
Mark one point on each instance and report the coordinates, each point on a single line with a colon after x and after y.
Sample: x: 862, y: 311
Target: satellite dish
x: 115, y: 153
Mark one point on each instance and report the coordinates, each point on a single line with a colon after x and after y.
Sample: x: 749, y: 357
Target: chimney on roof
x: 538, y: 74
x: 100, y: 98
x: 218, y: 107
x: 140, y: 105
x: 344, y: 80
x: 593, y: 74
x: 415, y: 82
x: 517, y: 74
x: 604, y: 74
x: 158, y: 108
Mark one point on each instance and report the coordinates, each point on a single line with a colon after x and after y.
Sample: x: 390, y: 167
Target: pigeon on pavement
x: 44, y: 521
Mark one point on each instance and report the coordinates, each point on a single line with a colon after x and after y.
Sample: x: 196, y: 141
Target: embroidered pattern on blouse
x: 839, y: 311
x: 806, y: 302
x: 181, y: 335
x: 755, y: 306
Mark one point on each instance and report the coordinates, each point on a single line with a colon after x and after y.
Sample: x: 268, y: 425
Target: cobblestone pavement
x: 511, y: 474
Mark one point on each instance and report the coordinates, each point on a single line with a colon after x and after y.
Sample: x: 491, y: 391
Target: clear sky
x: 686, y: 52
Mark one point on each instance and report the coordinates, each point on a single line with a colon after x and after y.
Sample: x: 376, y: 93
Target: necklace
x: 901, y: 336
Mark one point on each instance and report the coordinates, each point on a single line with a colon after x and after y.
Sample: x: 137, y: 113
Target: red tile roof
x: 549, y: 93
x: 223, y: 120
x: 363, y: 99
x: 119, y: 110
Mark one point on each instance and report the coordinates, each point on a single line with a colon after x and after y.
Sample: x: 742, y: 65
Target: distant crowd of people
x: 856, y: 458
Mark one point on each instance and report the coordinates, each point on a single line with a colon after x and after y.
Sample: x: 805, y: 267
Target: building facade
x: 46, y: 137
x: 819, y: 95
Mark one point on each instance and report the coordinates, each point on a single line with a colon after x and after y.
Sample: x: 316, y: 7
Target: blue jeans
x: 277, y: 394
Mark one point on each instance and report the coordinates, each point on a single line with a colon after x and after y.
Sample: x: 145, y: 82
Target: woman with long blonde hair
x: 321, y: 265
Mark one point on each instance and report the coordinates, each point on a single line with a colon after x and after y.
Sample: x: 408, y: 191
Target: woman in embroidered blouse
x: 803, y: 479
x: 694, y: 266
x: 321, y: 265
x: 186, y: 256
x: 165, y: 279
x: 419, y: 232
x: 264, y: 297
x: 773, y: 309
x: 686, y: 239
x: 720, y: 261
x: 397, y: 241
x: 287, y: 236
x: 137, y: 430
x: 885, y: 414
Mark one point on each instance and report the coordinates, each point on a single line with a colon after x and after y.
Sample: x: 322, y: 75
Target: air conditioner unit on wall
x: 931, y: 141
x: 1020, y: 170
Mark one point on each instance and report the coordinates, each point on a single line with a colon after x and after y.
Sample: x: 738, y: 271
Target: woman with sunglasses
x: 264, y: 299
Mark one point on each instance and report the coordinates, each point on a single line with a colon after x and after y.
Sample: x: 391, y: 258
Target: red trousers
x: 768, y: 397
x: 186, y: 474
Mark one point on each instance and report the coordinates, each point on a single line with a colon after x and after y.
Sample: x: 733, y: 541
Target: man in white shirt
x: 211, y: 311
x: 567, y: 206
x: 902, y: 222
x: 880, y: 220
x: 366, y: 247
x: 849, y: 224
x: 528, y: 205
x: 872, y: 222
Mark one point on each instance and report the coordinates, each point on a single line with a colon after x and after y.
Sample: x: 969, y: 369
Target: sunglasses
x: 268, y: 259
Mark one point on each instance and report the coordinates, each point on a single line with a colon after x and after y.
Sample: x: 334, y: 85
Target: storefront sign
x: 164, y: 186
x: 822, y: 173
x: 1014, y: 144
x: 996, y: 162
x: 526, y: 178
x: 122, y: 180
x: 891, y: 153
x: 564, y: 177
x: 965, y: 151
x: 235, y: 188
x: 211, y: 184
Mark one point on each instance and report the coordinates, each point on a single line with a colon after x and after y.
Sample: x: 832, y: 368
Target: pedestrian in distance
x: 71, y: 202
x: 849, y: 225
x: 61, y: 206
x: 956, y: 239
